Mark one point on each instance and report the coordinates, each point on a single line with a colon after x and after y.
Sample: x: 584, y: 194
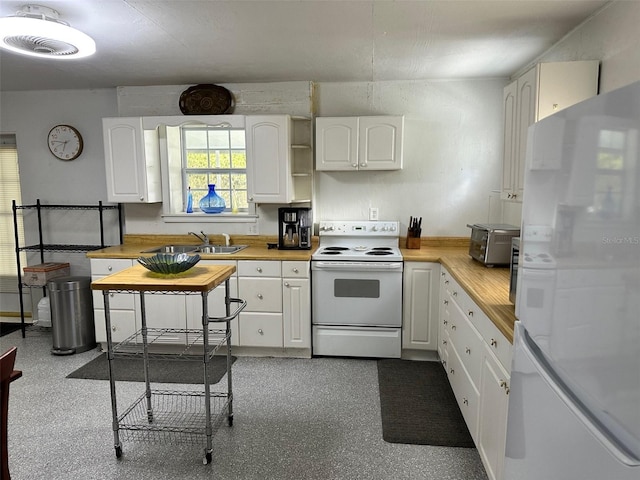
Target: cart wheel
x: 230, y: 420
x: 118, y: 451
x: 207, y: 459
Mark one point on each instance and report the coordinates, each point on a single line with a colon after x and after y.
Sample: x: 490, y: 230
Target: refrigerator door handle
x: 606, y: 438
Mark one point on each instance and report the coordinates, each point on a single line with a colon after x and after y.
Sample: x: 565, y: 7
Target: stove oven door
x: 357, y: 293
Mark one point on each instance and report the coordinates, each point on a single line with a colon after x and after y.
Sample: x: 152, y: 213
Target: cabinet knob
x: 446, y: 282
x: 453, y: 327
x: 452, y: 371
x: 259, y: 269
x: 111, y: 294
x: 467, y: 351
x: 260, y: 331
x: 295, y: 270
x: 465, y: 401
x: 444, y: 322
x: 455, y: 294
x: 444, y: 342
x: 260, y: 296
x: 354, y: 165
x: 251, y: 199
x: 109, y: 268
x: 363, y: 164
x: 113, y: 328
x: 286, y: 284
x: 503, y: 383
x: 470, y: 313
x: 442, y: 274
x: 494, y: 342
x: 142, y: 199
x: 446, y: 302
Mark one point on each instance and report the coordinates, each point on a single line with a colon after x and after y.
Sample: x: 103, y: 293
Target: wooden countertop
x: 134, y: 245
x: 488, y: 287
x: 200, y: 278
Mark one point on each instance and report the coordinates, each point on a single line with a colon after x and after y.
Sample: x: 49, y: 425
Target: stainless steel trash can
x: 71, y: 315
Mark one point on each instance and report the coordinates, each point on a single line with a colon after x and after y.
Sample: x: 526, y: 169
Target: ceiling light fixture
x: 37, y: 31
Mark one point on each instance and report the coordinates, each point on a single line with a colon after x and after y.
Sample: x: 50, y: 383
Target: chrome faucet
x: 204, y: 238
x: 227, y: 239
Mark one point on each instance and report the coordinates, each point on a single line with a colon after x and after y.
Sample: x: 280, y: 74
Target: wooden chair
x: 7, y: 375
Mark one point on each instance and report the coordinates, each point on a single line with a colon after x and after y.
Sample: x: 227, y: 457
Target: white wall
x: 452, y: 153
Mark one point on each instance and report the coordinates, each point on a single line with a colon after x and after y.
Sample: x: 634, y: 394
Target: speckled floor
x: 293, y: 419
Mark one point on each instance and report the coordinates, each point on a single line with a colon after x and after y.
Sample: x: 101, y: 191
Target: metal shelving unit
x: 43, y: 247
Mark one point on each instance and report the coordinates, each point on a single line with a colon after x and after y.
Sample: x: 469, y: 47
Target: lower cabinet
x: 278, y: 312
x: 420, y: 306
x: 122, y: 306
x: 477, y: 358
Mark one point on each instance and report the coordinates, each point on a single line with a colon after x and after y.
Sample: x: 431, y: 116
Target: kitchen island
x: 162, y: 415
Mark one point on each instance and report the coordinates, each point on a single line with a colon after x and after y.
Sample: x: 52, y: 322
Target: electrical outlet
x: 373, y: 213
x: 253, y: 229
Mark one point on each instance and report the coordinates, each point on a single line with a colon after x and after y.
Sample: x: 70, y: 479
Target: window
x: 213, y: 155
x: 9, y: 191
x: 610, y: 177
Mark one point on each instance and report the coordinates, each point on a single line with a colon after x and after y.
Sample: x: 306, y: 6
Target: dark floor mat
x: 160, y: 370
x: 418, y: 405
x: 6, y: 328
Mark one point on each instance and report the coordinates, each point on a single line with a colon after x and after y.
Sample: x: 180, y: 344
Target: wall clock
x: 65, y: 142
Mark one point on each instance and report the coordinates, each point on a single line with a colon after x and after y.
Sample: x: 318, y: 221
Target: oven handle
x: 357, y: 266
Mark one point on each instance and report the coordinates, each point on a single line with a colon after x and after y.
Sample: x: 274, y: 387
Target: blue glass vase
x: 212, y: 202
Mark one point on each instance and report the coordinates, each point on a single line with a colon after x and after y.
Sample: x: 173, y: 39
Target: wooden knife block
x: 413, y: 243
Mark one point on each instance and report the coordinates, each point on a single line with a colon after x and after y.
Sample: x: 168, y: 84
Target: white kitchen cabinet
x: 296, y: 304
x: 494, y: 402
x: 122, y: 306
x: 215, y: 302
x: 260, y: 285
x: 278, y: 169
x: 477, y: 358
x: 359, y: 143
x: 538, y: 93
x: 132, y: 161
x: 421, y: 306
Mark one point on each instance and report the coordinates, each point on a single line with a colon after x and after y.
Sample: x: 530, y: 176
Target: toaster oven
x: 491, y: 243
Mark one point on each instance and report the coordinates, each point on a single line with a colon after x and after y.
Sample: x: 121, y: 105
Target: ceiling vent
x: 37, y: 31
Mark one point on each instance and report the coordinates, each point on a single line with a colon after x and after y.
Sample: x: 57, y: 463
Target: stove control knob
x: 374, y: 229
x: 392, y: 228
x: 385, y: 228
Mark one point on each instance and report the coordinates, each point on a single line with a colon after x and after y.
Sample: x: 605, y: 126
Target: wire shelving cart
x: 173, y: 416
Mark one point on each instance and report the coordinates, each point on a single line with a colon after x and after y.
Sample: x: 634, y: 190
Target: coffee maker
x: 294, y: 228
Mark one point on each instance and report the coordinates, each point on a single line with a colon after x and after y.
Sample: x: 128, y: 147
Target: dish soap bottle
x: 189, y: 202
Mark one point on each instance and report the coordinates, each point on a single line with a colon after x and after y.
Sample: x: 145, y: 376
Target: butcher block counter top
x: 134, y: 245
x: 488, y: 287
x: 200, y: 278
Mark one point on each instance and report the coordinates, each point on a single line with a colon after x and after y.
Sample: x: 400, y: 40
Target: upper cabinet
x: 359, y: 143
x: 543, y: 90
x: 132, y: 161
x: 279, y: 159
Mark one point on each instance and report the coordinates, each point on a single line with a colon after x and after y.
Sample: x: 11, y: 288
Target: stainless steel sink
x: 220, y: 248
x: 173, y: 249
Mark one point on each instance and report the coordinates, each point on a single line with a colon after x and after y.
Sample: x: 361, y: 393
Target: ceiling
x: 160, y: 42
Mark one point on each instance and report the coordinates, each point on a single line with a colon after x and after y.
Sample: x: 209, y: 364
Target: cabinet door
x: 494, y: 389
x: 380, y: 142
x: 509, y: 150
x: 421, y: 285
x: 296, y: 311
x: 215, y: 303
x: 268, y: 159
x: 336, y: 143
x: 132, y: 161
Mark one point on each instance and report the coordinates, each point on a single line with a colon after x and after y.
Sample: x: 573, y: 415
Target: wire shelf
x: 186, y: 344
x: 175, y: 417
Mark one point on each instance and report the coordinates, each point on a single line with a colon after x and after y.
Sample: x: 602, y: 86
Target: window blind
x: 10, y: 183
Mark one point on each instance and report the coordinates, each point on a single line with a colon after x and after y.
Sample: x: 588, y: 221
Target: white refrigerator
x: 574, y: 406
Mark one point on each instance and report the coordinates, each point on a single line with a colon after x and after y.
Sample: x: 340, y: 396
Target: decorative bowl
x: 169, y: 263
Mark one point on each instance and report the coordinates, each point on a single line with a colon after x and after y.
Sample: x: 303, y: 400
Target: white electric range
x: 357, y: 290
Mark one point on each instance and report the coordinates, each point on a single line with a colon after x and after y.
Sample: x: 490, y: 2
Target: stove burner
x: 337, y: 249
x: 379, y: 252
x: 331, y: 252
x: 381, y: 248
